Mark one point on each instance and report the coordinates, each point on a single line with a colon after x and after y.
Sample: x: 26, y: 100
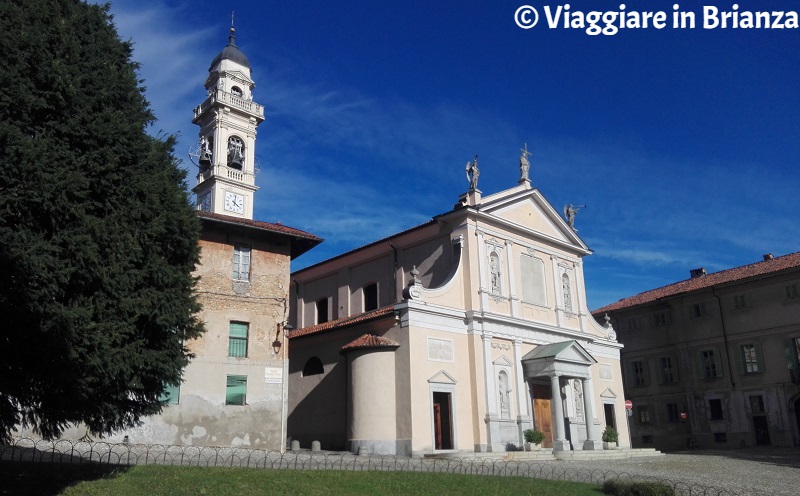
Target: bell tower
x: 228, y: 119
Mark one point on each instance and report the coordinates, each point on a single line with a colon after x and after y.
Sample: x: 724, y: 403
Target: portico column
x: 560, y: 442
x: 592, y: 439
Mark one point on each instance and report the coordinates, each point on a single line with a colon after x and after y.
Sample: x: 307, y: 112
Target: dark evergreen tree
x: 98, y: 240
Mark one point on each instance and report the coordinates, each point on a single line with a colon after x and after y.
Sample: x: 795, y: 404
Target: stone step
x: 606, y: 454
x: 538, y: 455
x: 546, y: 454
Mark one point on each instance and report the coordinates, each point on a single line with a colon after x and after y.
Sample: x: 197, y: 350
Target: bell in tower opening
x: 205, y: 154
x: 235, y: 152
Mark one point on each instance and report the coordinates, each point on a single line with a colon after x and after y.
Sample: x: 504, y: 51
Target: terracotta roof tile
x: 765, y: 267
x: 370, y: 341
x: 301, y: 241
x: 339, y: 323
x: 373, y: 243
x: 264, y: 226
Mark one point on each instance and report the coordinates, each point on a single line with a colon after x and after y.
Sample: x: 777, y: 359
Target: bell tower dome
x: 228, y: 119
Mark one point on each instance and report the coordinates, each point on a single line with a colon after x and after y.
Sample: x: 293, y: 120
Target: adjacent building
x: 714, y: 360
x: 455, y: 335
x: 235, y: 390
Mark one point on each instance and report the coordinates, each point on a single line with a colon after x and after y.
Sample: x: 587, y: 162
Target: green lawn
x: 31, y: 479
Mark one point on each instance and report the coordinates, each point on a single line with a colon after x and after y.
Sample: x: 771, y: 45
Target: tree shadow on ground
x: 25, y: 478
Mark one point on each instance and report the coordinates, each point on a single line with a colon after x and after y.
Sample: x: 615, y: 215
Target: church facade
x: 456, y: 335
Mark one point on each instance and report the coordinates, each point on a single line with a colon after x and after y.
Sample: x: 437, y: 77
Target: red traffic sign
x: 628, y: 405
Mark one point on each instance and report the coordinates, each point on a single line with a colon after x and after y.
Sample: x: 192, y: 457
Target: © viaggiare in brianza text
x: 611, y: 21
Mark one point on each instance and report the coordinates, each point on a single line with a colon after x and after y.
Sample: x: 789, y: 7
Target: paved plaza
x: 750, y: 471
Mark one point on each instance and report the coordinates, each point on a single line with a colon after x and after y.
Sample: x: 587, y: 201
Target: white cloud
x: 173, y: 62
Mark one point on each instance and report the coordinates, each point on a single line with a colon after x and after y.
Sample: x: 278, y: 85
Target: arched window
x: 236, y: 91
x: 313, y: 367
x: 235, y: 152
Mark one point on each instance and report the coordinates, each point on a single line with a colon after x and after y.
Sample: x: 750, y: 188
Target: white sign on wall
x: 273, y: 375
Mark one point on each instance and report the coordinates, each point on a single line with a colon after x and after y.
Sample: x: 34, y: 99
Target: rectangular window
x: 322, y: 311
x: 644, y: 414
x: 791, y: 292
x: 241, y: 263
x: 237, y: 339
x: 715, y: 409
x: 171, y: 394
x: 370, y: 297
x: 699, y: 310
x: 668, y: 373
x: 750, y: 359
x: 639, y: 373
x: 796, y: 347
x: 720, y: 437
x: 673, y: 415
x: 710, y: 364
x: 739, y: 302
x: 757, y: 404
x: 660, y: 319
x: 236, y: 390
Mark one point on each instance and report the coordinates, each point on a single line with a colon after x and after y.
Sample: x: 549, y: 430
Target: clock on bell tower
x: 228, y: 119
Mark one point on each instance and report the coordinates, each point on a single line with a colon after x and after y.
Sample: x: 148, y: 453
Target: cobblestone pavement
x: 753, y: 471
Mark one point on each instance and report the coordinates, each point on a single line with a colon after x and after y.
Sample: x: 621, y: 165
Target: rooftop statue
x: 473, y: 173
x: 569, y: 214
x: 524, y: 165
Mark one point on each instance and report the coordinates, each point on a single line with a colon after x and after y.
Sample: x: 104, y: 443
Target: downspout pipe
x: 724, y: 335
x: 394, y: 272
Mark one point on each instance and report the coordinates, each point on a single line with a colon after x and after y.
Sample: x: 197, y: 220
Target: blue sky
x: 684, y: 144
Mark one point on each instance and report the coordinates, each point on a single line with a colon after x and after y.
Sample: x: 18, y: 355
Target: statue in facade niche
x: 503, y: 394
x: 578, y: 393
x: 524, y: 165
x: 567, y: 291
x: 473, y: 173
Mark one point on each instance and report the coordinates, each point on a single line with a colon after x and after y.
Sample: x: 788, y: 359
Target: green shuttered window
x: 236, y: 390
x: 171, y: 394
x: 237, y: 340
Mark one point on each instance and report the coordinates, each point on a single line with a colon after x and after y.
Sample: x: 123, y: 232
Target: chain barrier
x: 65, y: 451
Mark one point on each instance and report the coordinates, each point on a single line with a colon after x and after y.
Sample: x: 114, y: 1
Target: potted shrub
x: 610, y: 438
x: 533, y: 439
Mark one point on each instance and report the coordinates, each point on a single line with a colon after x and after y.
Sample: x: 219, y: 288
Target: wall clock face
x: 234, y: 202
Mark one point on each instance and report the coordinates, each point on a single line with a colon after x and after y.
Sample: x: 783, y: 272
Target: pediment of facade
x: 529, y: 212
x: 442, y: 377
x: 503, y: 361
x: 568, y: 359
x: 608, y: 393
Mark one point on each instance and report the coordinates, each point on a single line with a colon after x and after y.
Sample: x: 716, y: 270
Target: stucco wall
x: 201, y: 417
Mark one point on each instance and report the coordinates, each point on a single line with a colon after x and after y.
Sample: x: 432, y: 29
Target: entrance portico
x: 565, y: 360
